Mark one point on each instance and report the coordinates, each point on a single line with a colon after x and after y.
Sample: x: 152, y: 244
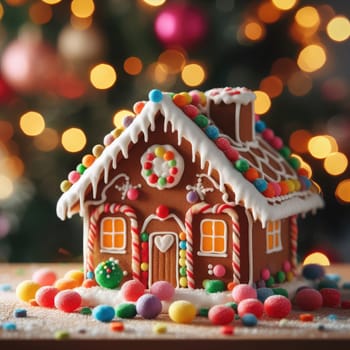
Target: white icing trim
x: 156, y: 217
x: 245, y: 192
x: 219, y: 95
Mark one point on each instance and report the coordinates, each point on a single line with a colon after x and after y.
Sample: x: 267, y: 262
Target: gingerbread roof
x: 263, y: 175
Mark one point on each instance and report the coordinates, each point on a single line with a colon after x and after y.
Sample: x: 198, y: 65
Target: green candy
x: 294, y: 162
x: 162, y: 181
x: 280, y: 277
x: 80, y: 168
x: 203, y: 311
x: 108, y: 274
x: 280, y: 291
x: 126, y: 310
x: 86, y: 311
x: 201, y: 120
x: 144, y: 237
x: 270, y: 282
x: 214, y: 286
x: 242, y: 165
x: 285, y: 152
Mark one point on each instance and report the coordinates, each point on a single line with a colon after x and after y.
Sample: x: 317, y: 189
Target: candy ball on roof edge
x: 155, y: 95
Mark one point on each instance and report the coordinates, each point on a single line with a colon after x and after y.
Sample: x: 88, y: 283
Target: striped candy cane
x: 205, y: 208
x: 294, y: 242
x: 94, y: 230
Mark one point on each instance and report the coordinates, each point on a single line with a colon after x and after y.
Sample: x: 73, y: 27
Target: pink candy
x: 308, y: 299
x: 44, y: 277
x: 67, y: 300
x: 277, y: 306
x: 250, y: 306
x: 131, y: 290
x: 163, y: 290
x: 243, y: 291
x: 221, y: 314
x: 45, y: 296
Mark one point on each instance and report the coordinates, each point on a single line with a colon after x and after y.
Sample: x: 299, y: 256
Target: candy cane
x: 294, y: 242
x: 205, y: 208
x: 94, y: 229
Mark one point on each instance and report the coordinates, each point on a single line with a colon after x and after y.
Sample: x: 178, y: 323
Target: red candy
x: 67, y: 300
x: 250, y: 306
x: 277, y: 306
x: 308, y: 299
x: 227, y: 330
x: 131, y: 290
x: 243, y: 291
x: 45, y: 296
x: 331, y: 297
x: 221, y: 314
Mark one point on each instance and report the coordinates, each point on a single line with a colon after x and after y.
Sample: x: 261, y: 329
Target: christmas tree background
x: 77, y: 64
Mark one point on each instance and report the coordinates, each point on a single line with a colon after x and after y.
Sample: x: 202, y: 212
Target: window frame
x: 113, y: 234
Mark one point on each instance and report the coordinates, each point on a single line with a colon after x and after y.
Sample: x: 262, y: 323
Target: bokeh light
x: 268, y: 13
x: 6, y: 187
x: 284, y: 4
x: 47, y: 141
x: 307, y: 17
x: 320, y: 146
x: 335, y: 163
x: 82, y: 8
x: 311, y: 58
x: 51, y: 2
x: 338, y: 29
x: 40, y: 13
x: 272, y: 85
x: 173, y: 59
x: 299, y: 84
x: 262, y: 102
x: 342, y: 192
x: 133, y: 65
x: 80, y: 23
x: 283, y: 68
x: 14, y: 166
x: 317, y: 258
x: 119, y: 116
x: 299, y: 139
x: 1, y: 11
x: 73, y: 140
x: 254, y: 31
x: 103, y: 76
x: 6, y: 130
x: 154, y: 2
x: 32, y: 123
x: 193, y: 74
x: 158, y: 72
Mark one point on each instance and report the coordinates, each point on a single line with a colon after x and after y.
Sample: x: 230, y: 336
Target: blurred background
x: 71, y: 70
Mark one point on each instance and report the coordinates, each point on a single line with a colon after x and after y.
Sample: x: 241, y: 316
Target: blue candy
x: 260, y: 184
x: 212, y: 132
x: 155, y: 95
x: 249, y: 320
x: 264, y: 293
x: 103, y: 313
x: 20, y: 313
x: 9, y: 326
x: 313, y: 272
x: 260, y: 126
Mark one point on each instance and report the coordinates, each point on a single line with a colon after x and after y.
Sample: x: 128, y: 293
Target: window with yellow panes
x: 113, y: 234
x: 213, y: 235
x: 273, y: 236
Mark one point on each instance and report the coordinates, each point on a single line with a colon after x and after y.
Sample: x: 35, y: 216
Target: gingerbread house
x: 193, y: 187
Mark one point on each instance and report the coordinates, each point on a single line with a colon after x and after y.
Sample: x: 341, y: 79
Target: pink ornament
x: 181, y: 25
x: 162, y: 211
x: 132, y: 194
x: 219, y: 270
x: 73, y: 176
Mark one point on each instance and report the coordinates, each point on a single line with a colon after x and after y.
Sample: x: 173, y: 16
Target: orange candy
x: 88, y: 160
x: 116, y: 326
x: 251, y: 174
x: 284, y: 187
x: 138, y: 107
x: 270, y: 191
x: 168, y: 155
x: 75, y: 275
x: 89, y: 283
x: 65, y: 283
x: 181, y: 99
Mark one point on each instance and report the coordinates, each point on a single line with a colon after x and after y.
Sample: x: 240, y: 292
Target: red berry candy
x: 250, y: 306
x: 331, y: 297
x: 162, y: 211
x: 131, y: 290
x: 45, y: 296
x: 67, y: 300
x: 277, y: 306
x: 221, y: 314
x: 308, y: 299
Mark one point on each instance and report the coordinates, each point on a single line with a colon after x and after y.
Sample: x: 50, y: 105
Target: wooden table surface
x: 37, y: 331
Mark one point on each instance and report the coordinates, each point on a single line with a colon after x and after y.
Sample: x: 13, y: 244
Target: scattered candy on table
x: 148, y: 306
x: 67, y: 300
x: 103, y: 313
x: 182, y: 311
x: 221, y: 314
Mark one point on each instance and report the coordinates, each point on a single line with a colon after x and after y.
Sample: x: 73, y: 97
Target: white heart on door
x: 164, y: 242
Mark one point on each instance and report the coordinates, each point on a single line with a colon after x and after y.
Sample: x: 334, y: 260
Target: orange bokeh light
x: 299, y: 139
x: 272, y: 85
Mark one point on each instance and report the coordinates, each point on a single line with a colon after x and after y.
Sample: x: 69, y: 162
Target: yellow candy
x: 182, y: 262
x: 182, y: 253
x: 75, y: 275
x: 159, y: 328
x: 116, y: 132
x: 183, y: 282
x: 65, y: 185
x: 144, y: 266
x: 159, y: 151
x: 26, y: 290
x: 182, y: 311
x: 97, y: 150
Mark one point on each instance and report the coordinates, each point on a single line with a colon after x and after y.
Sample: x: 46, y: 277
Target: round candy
x: 132, y: 194
x: 163, y: 290
x: 67, y: 300
x: 265, y: 274
x: 277, y: 306
x: 126, y: 310
x: 76, y: 275
x: 45, y: 296
x: 242, y: 165
x: 182, y: 311
x: 250, y: 306
x: 308, y: 299
x: 155, y: 95
x: 162, y: 211
x: 131, y: 290
x: 249, y: 320
x: 26, y: 290
x: 313, y: 271
x: 243, y: 291
x: 331, y: 297
x: 214, y: 286
x: 103, y: 313
x: 65, y: 283
x: 219, y: 270
x: 108, y: 274
x: 221, y: 314
x: 148, y: 306
x: 44, y: 276
x: 97, y: 150
x: 264, y: 293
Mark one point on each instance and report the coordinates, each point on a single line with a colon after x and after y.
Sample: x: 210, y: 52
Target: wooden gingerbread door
x: 163, y: 258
